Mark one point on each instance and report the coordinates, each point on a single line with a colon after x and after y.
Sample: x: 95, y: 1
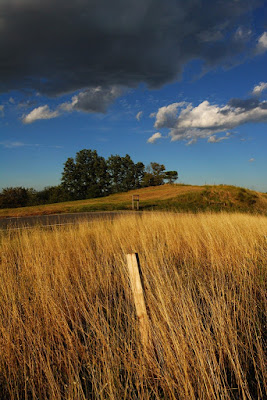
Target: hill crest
x: 178, y: 197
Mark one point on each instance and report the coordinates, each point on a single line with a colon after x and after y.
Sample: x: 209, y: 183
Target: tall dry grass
x: 68, y: 328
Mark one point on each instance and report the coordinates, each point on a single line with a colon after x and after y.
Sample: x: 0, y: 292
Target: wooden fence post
x: 138, y: 294
x: 135, y: 200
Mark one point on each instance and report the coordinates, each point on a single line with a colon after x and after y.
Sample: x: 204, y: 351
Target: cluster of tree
x: 89, y: 175
x: 155, y: 175
x: 13, y: 197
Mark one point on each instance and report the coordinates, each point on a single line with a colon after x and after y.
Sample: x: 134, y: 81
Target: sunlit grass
x: 68, y: 327
x: 112, y: 202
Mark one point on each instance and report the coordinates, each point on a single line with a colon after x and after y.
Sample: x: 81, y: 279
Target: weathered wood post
x: 135, y: 200
x: 135, y: 274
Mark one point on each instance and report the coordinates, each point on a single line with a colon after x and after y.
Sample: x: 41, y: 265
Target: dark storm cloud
x: 58, y: 46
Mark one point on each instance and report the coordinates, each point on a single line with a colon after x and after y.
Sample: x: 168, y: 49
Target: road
x: 58, y: 219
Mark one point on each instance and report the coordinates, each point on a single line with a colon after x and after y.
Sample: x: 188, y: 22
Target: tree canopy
x: 124, y: 174
x: 89, y: 175
x: 171, y: 176
x: 85, y: 176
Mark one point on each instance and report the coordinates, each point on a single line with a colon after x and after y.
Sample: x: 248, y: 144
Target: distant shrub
x: 13, y: 197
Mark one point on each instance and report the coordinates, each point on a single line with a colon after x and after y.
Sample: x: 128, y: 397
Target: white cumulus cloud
x: 42, y: 112
x: 154, y: 137
x: 258, y: 89
x: 205, y: 120
x: 166, y: 116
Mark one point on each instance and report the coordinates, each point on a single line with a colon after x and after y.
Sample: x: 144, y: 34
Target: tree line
x: 89, y: 175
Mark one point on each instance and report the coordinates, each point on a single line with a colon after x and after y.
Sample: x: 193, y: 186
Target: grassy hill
x: 178, y: 197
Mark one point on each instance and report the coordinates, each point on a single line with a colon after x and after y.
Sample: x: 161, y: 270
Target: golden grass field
x: 177, y: 197
x: 68, y: 328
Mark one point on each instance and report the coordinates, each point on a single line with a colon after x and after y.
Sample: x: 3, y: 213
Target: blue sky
x: 203, y: 113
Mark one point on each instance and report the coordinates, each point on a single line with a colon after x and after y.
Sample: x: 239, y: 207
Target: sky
x: 182, y: 83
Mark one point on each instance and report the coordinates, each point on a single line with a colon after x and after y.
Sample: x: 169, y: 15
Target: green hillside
x: 177, y: 197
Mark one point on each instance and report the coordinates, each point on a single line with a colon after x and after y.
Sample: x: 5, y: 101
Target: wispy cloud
x: 11, y: 145
x: 258, y: 89
x: 215, y: 139
x: 139, y: 115
x: 191, y: 141
x: 26, y: 104
x: 17, y: 144
x: 154, y: 137
x: 2, y: 113
x: 251, y: 159
x: 42, y: 112
x: 93, y: 100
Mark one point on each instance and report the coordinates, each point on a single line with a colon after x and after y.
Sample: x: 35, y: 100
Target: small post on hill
x: 138, y: 294
x: 135, y: 200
